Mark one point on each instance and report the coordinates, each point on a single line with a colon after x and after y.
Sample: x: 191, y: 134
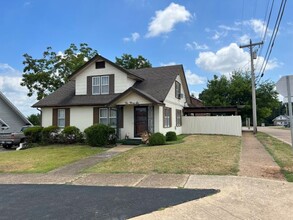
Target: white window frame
x: 61, y: 117
x: 108, y: 117
x: 167, y: 117
x: 106, y: 84
x: 96, y: 82
x: 112, y: 117
x: 104, y: 117
x: 178, y: 118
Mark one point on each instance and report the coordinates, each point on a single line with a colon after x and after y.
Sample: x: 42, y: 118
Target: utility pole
x: 251, y: 45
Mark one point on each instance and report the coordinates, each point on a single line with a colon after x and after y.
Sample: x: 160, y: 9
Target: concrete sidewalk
x: 239, y: 197
x: 255, y: 161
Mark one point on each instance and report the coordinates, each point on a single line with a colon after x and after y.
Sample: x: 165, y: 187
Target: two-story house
x: 132, y: 101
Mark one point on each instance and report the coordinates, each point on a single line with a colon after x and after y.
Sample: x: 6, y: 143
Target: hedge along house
x: 132, y: 101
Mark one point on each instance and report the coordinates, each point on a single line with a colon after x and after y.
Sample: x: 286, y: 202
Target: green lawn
x: 198, y: 154
x: 44, y: 159
x: 280, y: 151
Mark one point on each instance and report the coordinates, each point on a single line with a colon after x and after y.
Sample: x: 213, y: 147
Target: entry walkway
x: 79, y: 166
x: 255, y: 161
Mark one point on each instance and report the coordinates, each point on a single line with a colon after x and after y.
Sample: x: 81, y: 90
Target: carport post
x: 290, y: 107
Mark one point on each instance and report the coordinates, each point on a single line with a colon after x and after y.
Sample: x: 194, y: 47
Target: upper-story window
x: 100, y: 64
x: 177, y: 90
x: 100, y: 85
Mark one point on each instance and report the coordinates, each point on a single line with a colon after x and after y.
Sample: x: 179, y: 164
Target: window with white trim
x: 61, y: 118
x: 103, y: 116
x: 178, y: 118
x: 113, y: 117
x: 104, y: 84
x: 96, y: 85
x: 167, y: 117
x: 108, y: 116
x: 100, y: 85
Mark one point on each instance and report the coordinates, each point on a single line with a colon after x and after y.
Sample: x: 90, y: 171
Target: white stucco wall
x: 172, y: 102
x: 47, y: 115
x: 128, y: 120
x: 121, y: 81
x: 81, y: 117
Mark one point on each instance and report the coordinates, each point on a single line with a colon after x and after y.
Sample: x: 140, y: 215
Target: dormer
x: 100, y: 76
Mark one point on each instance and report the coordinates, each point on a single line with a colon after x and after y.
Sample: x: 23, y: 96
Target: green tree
x: 44, y: 75
x: 217, y: 92
x: 35, y: 119
x: 127, y: 61
x: 221, y: 91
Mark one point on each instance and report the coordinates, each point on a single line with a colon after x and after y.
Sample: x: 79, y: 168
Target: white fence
x: 226, y: 125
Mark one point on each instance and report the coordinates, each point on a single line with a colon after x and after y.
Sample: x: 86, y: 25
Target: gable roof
x: 136, y: 91
x: 6, y: 100
x: 157, y: 81
x: 99, y: 57
x: 155, y: 86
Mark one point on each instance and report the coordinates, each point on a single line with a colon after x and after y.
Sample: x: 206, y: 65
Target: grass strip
x: 281, y: 152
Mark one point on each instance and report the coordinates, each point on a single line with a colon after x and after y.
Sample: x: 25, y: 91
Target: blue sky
x: 203, y: 35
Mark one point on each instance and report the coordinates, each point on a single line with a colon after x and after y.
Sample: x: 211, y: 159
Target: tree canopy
x: 35, y: 119
x: 127, y: 61
x: 44, y: 75
x: 236, y: 90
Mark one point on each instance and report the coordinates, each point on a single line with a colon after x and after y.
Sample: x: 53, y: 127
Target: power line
x: 273, y: 38
x: 265, y: 31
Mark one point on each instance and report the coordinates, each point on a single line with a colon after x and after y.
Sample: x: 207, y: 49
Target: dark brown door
x: 140, y: 120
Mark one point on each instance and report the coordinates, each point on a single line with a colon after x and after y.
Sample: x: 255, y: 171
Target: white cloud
x: 244, y: 39
x: 257, y: 26
x: 168, y: 64
x: 194, y: 79
x: 224, y: 60
x: 10, y: 79
x: 134, y: 37
x: 228, y: 28
x: 228, y: 59
x: 219, y: 35
x: 195, y: 46
x: 166, y: 19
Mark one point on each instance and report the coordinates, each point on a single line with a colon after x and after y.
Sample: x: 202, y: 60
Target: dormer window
x: 100, y: 85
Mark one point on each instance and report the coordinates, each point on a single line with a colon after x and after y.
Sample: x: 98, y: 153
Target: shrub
x: 157, y: 139
x: 33, y: 134
x: 71, y: 135
x: 100, y: 135
x: 171, y: 136
x: 50, y: 135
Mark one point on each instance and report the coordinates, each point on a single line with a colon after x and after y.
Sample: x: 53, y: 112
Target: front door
x: 140, y: 120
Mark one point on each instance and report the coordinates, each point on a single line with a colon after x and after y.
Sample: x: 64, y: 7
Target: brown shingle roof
x: 156, y: 85
x: 158, y: 80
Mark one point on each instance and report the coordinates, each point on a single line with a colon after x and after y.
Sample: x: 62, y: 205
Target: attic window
x: 100, y: 64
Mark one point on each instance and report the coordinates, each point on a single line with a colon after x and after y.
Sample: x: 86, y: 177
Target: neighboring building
x: 11, y: 119
x: 281, y: 120
x: 133, y: 101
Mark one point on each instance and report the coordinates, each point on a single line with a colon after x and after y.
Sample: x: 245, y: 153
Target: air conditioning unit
x: 181, y: 95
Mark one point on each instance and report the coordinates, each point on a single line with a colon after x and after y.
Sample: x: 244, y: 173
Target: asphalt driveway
x: 89, y: 202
